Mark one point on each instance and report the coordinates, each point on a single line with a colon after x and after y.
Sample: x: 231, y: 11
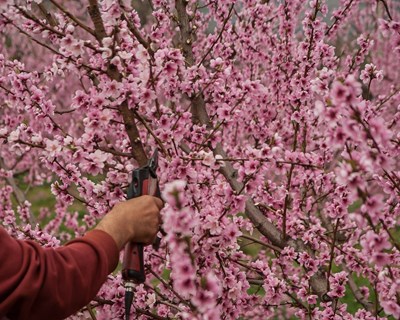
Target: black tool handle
x: 143, y: 182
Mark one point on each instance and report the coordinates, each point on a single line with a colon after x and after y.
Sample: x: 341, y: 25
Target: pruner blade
x: 153, y: 163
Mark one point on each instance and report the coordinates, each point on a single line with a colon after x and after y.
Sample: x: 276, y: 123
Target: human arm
x: 46, y: 283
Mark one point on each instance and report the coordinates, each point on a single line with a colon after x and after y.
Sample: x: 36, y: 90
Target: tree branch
x: 219, y: 36
x: 386, y: 9
x: 368, y: 305
x: 95, y: 15
x: 48, y: 16
x: 198, y: 108
x: 133, y: 134
x: 138, y: 35
x: 332, y: 254
x: 128, y: 115
x: 261, y: 242
x: 158, y: 141
x: 73, y: 18
x: 200, y: 115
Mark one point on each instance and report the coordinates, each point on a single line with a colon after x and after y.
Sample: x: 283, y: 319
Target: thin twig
x: 219, y: 35
x: 115, y: 152
x: 170, y: 288
x: 91, y: 312
x: 332, y: 253
x: 338, y: 19
x: 387, y: 9
x: 395, y: 243
x: 356, y: 291
x: 265, y: 244
x: 159, y: 142
x: 138, y: 36
x: 73, y: 18
x: 48, y: 16
x: 150, y: 314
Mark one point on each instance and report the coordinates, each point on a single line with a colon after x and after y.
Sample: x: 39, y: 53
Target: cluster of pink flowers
x: 370, y: 73
x: 278, y: 129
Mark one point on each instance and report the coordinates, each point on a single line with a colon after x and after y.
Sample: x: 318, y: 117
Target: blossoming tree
x: 277, y: 124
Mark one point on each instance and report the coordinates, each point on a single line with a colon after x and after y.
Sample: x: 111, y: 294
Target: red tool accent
x: 133, y: 264
x: 144, y: 182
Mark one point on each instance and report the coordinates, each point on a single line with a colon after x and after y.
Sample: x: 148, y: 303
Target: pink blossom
x: 380, y: 259
x: 277, y: 123
x: 346, y: 92
x: 337, y: 292
x: 376, y: 242
x: 312, y: 299
x: 4, y: 4
x: 370, y: 72
x: 53, y: 147
x: 373, y: 206
x: 391, y: 308
x: 173, y: 192
x: 208, y: 158
x: 14, y: 135
x: 95, y: 162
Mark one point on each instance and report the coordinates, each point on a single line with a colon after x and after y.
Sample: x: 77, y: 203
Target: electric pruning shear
x: 144, y: 182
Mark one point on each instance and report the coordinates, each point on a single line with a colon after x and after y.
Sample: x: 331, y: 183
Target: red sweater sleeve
x: 45, y: 283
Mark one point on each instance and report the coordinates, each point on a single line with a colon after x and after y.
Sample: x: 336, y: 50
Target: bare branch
x: 95, y: 15
x: 138, y: 36
x: 159, y: 142
x: 219, y: 35
x: 338, y: 19
x: 133, y: 134
x: 386, y: 9
x: 332, y: 254
x: 368, y: 305
x: 261, y: 242
x: 48, y: 16
x: 73, y: 18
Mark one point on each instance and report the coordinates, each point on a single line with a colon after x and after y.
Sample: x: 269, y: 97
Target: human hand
x: 136, y: 220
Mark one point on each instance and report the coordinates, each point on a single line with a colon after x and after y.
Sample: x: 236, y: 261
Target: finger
x: 159, y: 203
